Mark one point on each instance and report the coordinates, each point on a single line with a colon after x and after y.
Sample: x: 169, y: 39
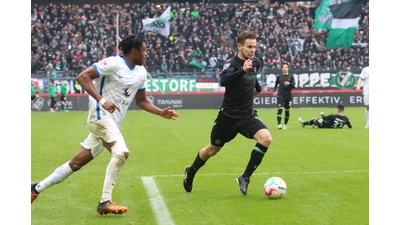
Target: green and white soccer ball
x: 275, y: 188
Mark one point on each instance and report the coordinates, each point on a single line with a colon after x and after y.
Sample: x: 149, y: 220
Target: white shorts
x: 366, y: 99
x: 100, y: 130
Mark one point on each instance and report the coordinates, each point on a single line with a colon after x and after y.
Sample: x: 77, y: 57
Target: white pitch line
x: 266, y: 173
x: 157, y: 203
x: 160, y: 210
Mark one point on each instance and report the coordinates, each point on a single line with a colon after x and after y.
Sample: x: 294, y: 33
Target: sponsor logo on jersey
x: 127, y: 92
x: 103, y: 62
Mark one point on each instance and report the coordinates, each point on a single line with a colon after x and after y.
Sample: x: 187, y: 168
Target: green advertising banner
x: 171, y: 85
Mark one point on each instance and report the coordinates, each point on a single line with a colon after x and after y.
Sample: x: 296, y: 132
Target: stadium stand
x: 66, y: 38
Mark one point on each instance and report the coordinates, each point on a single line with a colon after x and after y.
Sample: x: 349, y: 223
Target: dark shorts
x: 284, y: 103
x: 225, y: 128
x: 320, y: 123
x: 33, y: 97
x: 63, y: 98
x: 53, y: 101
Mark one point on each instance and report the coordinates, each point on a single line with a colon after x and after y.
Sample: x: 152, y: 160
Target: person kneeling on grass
x: 331, y: 121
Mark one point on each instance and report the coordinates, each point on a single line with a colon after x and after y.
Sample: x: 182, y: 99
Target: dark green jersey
x: 33, y: 91
x: 63, y: 89
x: 52, y: 91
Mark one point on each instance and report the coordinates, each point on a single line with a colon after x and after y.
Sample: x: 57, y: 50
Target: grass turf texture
x: 326, y: 171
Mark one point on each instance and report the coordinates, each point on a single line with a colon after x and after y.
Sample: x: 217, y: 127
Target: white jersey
x: 365, y: 77
x: 117, y: 82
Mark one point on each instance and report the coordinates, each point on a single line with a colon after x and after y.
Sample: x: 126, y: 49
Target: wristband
x: 102, y: 101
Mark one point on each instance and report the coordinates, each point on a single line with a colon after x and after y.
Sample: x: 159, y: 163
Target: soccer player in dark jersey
x: 236, y: 115
x: 336, y: 121
x: 286, y: 83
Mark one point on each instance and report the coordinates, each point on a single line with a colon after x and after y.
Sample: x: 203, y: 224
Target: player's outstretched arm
x: 358, y: 87
x: 168, y: 113
x: 349, y: 125
x: 143, y: 102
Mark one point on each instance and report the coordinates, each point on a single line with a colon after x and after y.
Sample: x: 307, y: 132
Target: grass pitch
x: 326, y: 172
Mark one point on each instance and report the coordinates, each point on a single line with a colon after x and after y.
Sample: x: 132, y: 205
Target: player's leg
x: 224, y: 130
x: 115, y: 143
x: 202, y: 156
x: 33, y: 101
x: 366, y: 103
x: 61, y: 101
x: 254, y: 129
x: 287, y: 113
x: 302, y: 122
x: 66, y: 104
x: 279, y: 113
x: 52, y: 104
x: 81, y: 158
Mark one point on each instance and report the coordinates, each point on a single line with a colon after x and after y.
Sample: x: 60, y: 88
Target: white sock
x: 112, y: 172
x: 367, y: 116
x: 60, y: 174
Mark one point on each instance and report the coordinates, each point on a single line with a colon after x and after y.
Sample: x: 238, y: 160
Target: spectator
x: 70, y: 31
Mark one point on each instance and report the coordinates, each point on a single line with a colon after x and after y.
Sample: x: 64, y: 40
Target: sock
x: 367, y: 116
x: 279, y: 116
x: 112, y: 172
x: 287, y: 115
x: 197, y: 164
x: 59, y: 175
x: 255, y: 159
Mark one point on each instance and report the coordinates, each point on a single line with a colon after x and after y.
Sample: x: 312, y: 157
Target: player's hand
x: 286, y: 83
x: 275, y: 94
x: 248, y: 64
x: 110, y: 106
x: 358, y: 88
x: 168, y: 113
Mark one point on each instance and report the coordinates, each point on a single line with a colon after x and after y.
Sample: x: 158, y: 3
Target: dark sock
x: 33, y: 189
x: 197, y: 164
x: 287, y: 115
x: 279, y: 116
x: 255, y: 159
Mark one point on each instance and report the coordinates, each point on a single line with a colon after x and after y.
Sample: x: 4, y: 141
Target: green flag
x: 344, y: 23
x: 323, y: 16
x: 198, y: 65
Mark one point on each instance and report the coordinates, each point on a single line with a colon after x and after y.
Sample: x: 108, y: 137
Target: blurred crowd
x: 67, y: 38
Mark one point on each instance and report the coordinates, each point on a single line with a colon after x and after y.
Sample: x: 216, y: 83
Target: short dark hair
x: 340, y: 107
x: 246, y: 35
x: 131, y: 41
x: 285, y: 63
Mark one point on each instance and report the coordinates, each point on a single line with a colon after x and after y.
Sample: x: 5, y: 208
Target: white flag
x: 295, y: 46
x: 159, y: 24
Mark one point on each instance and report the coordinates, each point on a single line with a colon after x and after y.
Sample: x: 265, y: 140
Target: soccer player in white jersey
x: 112, y: 84
x: 364, y: 79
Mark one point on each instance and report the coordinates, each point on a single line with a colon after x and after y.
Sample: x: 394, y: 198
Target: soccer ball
x: 275, y: 188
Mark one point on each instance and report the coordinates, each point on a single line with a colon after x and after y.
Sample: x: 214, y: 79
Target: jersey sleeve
x: 230, y: 73
x: 105, y: 67
x: 363, y: 73
x: 292, y: 83
x: 276, y: 83
x: 348, y: 123
x: 258, y: 86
